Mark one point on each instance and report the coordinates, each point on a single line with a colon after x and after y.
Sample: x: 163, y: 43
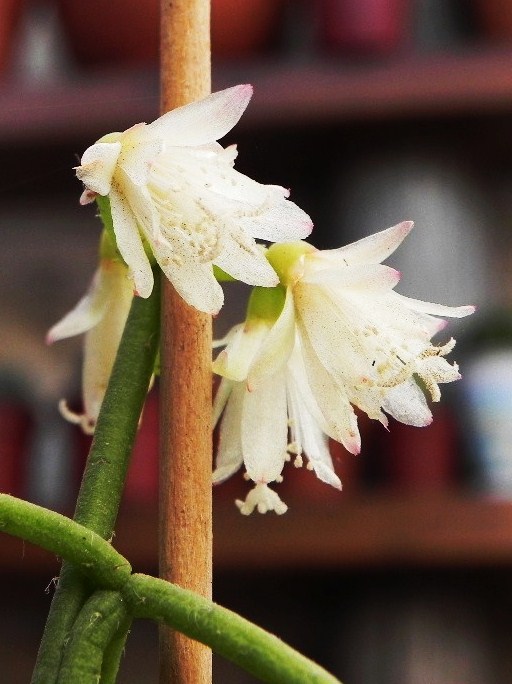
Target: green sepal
x: 221, y: 276
x: 284, y: 257
x: 266, y: 303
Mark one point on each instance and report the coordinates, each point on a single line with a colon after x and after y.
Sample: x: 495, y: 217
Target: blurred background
x: 371, y: 111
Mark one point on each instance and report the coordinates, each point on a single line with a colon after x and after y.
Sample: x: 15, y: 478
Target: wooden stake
x: 185, y: 520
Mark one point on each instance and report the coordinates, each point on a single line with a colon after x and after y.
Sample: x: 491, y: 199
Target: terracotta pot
x: 495, y: 18
x: 244, y: 28
x: 10, y: 15
x: 422, y: 459
x: 15, y: 434
x: 102, y: 32
x: 363, y: 26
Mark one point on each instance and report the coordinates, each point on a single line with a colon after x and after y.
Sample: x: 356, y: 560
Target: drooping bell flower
x: 341, y: 338
x: 173, y: 187
x: 101, y: 315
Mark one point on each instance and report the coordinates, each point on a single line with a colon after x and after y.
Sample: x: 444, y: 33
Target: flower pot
x: 15, y: 435
x: 116, y: 32
x: 10, y: 15
x: 495, y: 17
x: 244, y: 28
x: 363, y: 26
x: 111, y: 32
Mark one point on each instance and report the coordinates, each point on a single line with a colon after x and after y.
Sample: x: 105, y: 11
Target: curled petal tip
x: 87, y: 196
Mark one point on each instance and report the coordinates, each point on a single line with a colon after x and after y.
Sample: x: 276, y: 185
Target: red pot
x: 15, y: 435
x: 103, y: 32
x: 495, y: 18
x: 10, y: 15
x: 244, y: 28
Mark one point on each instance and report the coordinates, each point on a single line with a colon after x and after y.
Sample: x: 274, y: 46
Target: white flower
x: 172, y: 185
x: 343, y: 339
x: 101, y: 314
x: 257, y: 421
x: 363, y: 344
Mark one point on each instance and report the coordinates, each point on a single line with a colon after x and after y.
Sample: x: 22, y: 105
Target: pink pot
x: 363, y: 26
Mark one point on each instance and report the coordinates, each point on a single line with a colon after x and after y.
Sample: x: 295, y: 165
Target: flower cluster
x: 343, y: 338
x: 325, y: 331
x: 173, y: 186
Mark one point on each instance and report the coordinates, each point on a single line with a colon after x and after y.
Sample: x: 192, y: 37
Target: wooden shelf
x: 442, y: 530
x: 373, y: 531
x: 286, y: 94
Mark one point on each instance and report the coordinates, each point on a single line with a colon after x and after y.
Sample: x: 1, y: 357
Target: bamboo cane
x: 185, y: 520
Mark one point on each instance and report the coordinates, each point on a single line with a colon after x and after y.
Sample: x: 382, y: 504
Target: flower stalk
x: 98, y: 633
x: 103, y: 616
x: 105, y: 472
x: 258, y: 652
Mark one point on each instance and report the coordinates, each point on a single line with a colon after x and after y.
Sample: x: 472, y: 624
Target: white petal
x: 242, y: 259
x: 102, y: 341
x: 407, y: 404
x: 97, y: 166
x: 136, y: 159
x: 194, y: 282
x: 282, y: 222
x: 277, y: 346
x: 368, y: 277
x: 373, y: 249
x: 229, y: 451
x: 332, y: 400
x: 221, y: 398
x: 204, y: 121
x: 86, y: 314
x: 434, y: 309
x: 265, y: 429
x: 308, y: 434
x: 334, y: 330
x: 234, y: 361
x: 129, y: 243
x: 141, y: 204
x: 244, y: 195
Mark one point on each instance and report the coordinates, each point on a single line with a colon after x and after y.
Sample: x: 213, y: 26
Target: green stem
x: 99, y: 631
x: 105, y: 472
x: 114, y: 652
x: 86, y: 550
x: 252, y: 648
x: 97, y: 624
x: 107, y: 464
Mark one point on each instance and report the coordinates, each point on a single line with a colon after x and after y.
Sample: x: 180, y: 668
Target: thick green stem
x: 105, y: 472
x: 96, y: 638
x: 86, y: 550
x: 114, y: 652
x: 96, y: 626
x: 252, y: 648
